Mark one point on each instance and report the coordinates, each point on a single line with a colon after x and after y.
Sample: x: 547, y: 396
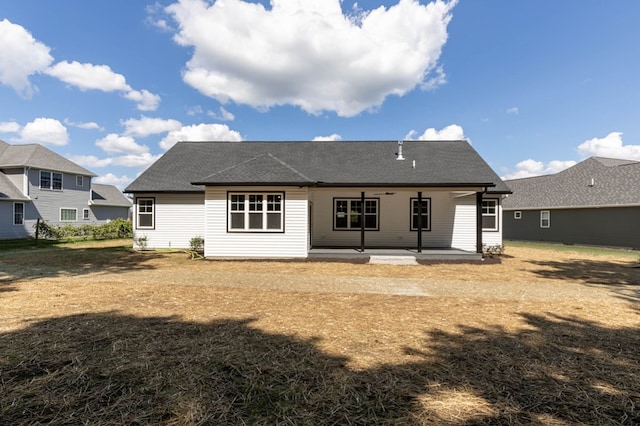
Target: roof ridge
x: 293, y: 169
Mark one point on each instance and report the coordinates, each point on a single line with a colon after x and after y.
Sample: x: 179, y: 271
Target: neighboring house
x: 595, y: 202
x: 36, y: 183
x: 282, y: 199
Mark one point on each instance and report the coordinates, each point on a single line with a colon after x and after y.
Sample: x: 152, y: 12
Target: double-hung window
x: 256, y: 212
x: 425, y: 214
x: 68, y: 215
x: 18, y: 213
x: 145, y: 213
x: 348, y: 213
x: 50, y: 180
x: 489, y: 215
x: 545, y: 219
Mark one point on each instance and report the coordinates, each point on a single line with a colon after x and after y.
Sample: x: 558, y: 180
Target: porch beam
x: 362, y: 221
x: 419, y: 221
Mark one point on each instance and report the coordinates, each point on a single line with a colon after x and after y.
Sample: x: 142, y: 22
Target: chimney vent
x: 400, y: 156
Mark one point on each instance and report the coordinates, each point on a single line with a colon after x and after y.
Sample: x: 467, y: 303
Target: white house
x: 283, y: 199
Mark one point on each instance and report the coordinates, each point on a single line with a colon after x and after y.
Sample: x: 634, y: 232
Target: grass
x: 586, y: 250
x: 96, y: 333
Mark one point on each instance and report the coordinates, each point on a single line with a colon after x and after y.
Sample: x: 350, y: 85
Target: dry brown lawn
x: 100, y: 334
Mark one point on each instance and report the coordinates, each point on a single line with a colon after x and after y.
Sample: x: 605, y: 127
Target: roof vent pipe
x: 400, y: 157
x: 592, y: 182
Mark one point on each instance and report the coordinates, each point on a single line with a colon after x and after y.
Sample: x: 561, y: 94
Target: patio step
x: 393, y: 260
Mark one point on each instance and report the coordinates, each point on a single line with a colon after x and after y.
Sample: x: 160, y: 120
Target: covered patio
x: 393, y: 255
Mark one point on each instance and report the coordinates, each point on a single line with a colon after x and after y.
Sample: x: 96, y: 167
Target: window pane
x: 237, y: 202
x: 355, y: 220
x: 85, y: 214
x: 18, y: 213
x: 68, y: 215
x: 274, y: 203
x: 56, y: 181
x: 488, y: 222
x: 145, y: 220
x: 274, y: 221
x: 341, y: 214
x: 255, y: 203
x: 371, y: 221
x: 255, y: 220
x: 45, y: 180
x: 237, y: 220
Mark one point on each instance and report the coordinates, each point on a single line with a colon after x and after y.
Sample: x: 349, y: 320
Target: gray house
x: 36, y: 183
x: 595, y: 202
x: 284, y: 199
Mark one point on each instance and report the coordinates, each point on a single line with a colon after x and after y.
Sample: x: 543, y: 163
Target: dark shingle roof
x: 594, y: 182
x: 37, y: 156
x: 108, y: 195
x: 357, y: 163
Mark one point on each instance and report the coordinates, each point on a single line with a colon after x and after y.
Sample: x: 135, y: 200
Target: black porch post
x: 419, y: 221
x: 478, y: 222
x: 362, y: 221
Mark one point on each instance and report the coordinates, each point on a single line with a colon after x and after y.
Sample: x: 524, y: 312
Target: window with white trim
x: 517, y: 214
x: 425, y: 214
x: 18, y: 213
x: 489, y: 215
x: 545, y: 219
x: 85, y: 214
x: 255, y: 211
x: 68, y: 215
x: 79, y: 180
x: 348, y: 212
x: 50, y: 180
x: 145, y: 213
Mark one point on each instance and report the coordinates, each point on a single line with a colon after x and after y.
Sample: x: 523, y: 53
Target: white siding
x: 450, y: 216
x: 290, y: 243
x: 178, y: 218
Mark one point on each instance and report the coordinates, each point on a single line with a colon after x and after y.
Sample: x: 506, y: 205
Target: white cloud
x: 513, y: 110
x: 331, y: 138
x: 309, y: 54
x: 90, y: 161
x: 452, y: 132
x: 115, y: 144
x: 610, y: 146
x: 110, y: 179
x: 146, y: 100
x: 146, y: 126
x: 89, y: 76
x: 529, y: 168
x: 45, y: 131
x: 101, y: 77
x: 223, y: 115
x: 9, y: 127
x: 90, y: 125
x: 200, y: 132
x: 22, y: 56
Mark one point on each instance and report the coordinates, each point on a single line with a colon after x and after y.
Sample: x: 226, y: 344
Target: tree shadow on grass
x: 57, y: 261
x: 622, y: 279
x: 115, y: 369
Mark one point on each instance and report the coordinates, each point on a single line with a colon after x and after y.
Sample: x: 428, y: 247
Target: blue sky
x: 535, y: 86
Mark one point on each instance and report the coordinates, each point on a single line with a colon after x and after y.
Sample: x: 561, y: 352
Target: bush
x: 197, y: 244
x: 118, y: 228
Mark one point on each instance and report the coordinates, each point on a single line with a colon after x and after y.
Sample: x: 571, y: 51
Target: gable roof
x: 8, y: 190
x: 108, y: 195
x: 594, y: 182
x: 39, y: 157
x: 189, y: 166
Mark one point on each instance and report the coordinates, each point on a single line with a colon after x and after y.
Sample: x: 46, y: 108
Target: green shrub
x: 197, y: 244
x: 118, y: 228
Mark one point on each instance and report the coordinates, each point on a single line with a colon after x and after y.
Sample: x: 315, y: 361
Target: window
x: 490, y: 215
x: 18, y: 213
x: 256, y: 212
x: 79, y: 180
x: 517, y: 215
x: 68, y: 215
x: 85, y: 214
x: 425, y: 214
x: 348, y: 214
x: 545, y: 219
x: 50, y: 180
x: 145, y: 215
